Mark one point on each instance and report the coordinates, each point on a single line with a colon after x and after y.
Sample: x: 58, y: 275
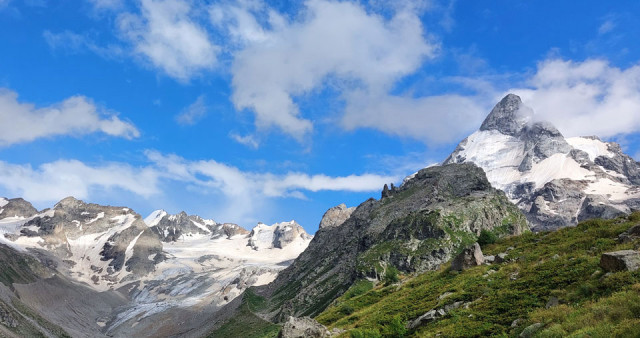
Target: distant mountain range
x: 166, y: 266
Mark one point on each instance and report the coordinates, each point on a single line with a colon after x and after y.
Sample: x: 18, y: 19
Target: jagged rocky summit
x: 555, y: 181
x: 412, y: 228
x: 139, y: 273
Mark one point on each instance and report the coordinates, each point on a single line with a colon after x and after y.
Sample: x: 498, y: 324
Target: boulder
x: 630, y: 235
x: 628, y: 260
x: 469, y: 257
x: 302, y: 328
x: 530, y: 330
x: 489, y: 259
x: 553, y: 301
x: 501, y: 258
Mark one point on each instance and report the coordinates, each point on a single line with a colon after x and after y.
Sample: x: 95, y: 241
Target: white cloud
x: 56, y: 180
x: 245, y: 192
x: 247, y: 140
x: 241, y: 195
x: 331, y: 40
x: 432, y: 119
x: 233, y: 182
x: 193, y: 113
x: 585, y: 98
x: 76, y: 115
x: 166, y: 34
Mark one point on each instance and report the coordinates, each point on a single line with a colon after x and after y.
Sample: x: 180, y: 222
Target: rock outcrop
x: 469, y: 257
x: 416, y: 228
x: 278, y: 235
x: 624, y: 260
x: 16, y: 207
x: 555, y: 181
x: 336, y: 216
x: 304, y: 327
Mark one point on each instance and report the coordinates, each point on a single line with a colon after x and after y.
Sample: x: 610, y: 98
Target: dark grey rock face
x: 17, y: 207
x: 507, y: 116
x: 624, y: 260
x: 417, y: 228
x: 469, y: 257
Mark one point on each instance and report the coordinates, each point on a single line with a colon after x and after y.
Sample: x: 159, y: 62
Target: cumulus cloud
x: 585, y: 98
x: 331, y: 40
x: 193, y: 113
x: 167, y: 35
x: 56, y: 180
x: 77, y: 115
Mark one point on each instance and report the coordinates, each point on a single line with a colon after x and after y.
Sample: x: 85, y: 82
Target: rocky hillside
x: 414, y: 228
x: 576, y: 282
x: 555, y: 181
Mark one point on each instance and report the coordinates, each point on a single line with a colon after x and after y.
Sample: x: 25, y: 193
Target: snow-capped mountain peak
x: 555, y: 181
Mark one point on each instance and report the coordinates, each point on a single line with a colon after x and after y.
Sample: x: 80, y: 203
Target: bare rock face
x: 624, y: 260
x: 16, y: 207
x: 336, y: 216
x: 304, y: 327
x: 555, y: 181
x: 469, y: 257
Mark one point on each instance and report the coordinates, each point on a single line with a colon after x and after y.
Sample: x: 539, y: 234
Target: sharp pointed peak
x: 509, y: 116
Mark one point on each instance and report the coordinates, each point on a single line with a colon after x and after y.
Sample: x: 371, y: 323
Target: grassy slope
x: 592, y: 304
x: 246, y: 324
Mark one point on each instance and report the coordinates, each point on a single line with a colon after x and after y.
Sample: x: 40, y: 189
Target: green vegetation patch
x: 540, y: 266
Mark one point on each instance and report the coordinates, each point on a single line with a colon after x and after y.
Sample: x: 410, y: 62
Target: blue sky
x: 254, y: 111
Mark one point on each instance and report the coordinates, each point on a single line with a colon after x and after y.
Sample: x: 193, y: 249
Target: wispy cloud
x: 241, y: 193
x: 193, y: 113
x: 607, y: 26
x: 76, y: 115
x: 72, y: 43
x: 247, y: 140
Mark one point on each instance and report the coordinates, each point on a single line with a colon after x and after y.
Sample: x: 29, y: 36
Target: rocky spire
x: 509, y: 116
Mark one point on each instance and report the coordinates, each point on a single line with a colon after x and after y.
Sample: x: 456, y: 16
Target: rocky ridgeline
x: 171, y: 228
x: 555, y: 181
x: 413, y: 228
